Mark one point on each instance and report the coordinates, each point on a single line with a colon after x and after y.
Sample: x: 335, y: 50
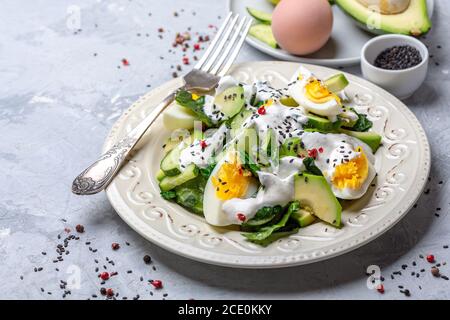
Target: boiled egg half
x: 346, y: 162
x: 311, y: 94
x: 228, y: 180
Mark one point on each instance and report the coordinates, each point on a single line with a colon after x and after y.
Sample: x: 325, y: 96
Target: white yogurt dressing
x: 202, y: 157
x: 210, y: 109
x: 278, y: 190
x: 286, y: 122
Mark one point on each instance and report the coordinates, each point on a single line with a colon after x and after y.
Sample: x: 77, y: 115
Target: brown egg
x: 302, y: 26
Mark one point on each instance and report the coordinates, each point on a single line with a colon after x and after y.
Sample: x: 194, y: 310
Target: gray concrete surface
x: 60, y: 92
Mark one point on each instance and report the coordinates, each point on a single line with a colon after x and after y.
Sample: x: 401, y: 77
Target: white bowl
x: 401, y: 83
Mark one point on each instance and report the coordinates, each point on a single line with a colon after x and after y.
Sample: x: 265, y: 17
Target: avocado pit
x: 386, y: 6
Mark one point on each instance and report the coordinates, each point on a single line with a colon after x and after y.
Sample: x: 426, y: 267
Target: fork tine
x: 230, y: 45
x: 237, y: 48
x: 213, y: 43
x: 220, y: 46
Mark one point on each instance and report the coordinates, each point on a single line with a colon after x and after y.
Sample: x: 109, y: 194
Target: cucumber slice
x: 169, y: 164
x: 259, y: 15
x: 160, y: 175
x: 263, y: 32
x: 168, y: 183
x: 230, y: 101
x: 336, y: 83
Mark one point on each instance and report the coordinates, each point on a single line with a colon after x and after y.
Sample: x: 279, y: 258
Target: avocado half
x: 413, y: 21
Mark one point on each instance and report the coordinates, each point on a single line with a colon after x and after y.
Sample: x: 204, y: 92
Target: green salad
x: 270, y: 160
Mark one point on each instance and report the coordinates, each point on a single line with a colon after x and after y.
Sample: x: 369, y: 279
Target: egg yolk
x: 351, y: 174
x: 231, y: 180
x: 318, y: 93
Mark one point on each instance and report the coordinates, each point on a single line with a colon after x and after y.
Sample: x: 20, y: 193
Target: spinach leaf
x: 263, y: 216
x: 311, y: 166
x: 274, y: 237
x: 184, y: 98
x: 294, y: 206
x: 206, y: 172
x: 168, y: 195
x: 362, y: 124
x: 267, y: 231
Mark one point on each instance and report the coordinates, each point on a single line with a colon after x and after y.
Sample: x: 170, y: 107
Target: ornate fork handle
x: 99, y: 174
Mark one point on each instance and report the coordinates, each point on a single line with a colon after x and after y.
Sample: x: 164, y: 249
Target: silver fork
x: 205, y: 76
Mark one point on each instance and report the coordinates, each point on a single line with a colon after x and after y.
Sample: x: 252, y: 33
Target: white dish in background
x: 402, y: 163
x: 401, y: 83
x: 343, y: 48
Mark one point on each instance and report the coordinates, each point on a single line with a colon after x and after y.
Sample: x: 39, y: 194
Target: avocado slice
x: 230, y: 101
x: 314, y: 192
x: 288, y: 101
x: 372, y: 139
x: 259, y: 15
x: 336, y: 83
x: 263, y: 32
x: 322, y: 124
x: 303, y: 217
x: 412, y: 21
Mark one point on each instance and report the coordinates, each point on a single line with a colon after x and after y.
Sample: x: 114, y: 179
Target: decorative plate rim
x: 276, y: 261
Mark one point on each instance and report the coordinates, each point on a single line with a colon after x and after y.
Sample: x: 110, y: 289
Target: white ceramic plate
x: 343, y: 48
x: 402, y: 163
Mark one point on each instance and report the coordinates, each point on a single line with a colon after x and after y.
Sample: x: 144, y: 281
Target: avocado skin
x: 400, y: 23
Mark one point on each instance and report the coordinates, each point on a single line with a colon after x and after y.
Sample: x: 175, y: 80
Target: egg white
x: 329, y: 109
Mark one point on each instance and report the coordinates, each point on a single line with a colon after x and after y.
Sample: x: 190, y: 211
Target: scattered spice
x: 79, y: 228
x: 104, y: 276
x: 109, y: 292
x: 147, y: 259
x: 435, y: 271
x: 115, y: 246
x: 380, y: 288
x: 430, y: 258
x: 157, y: 284
x: 262, y: 110
x: 241, y: 217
